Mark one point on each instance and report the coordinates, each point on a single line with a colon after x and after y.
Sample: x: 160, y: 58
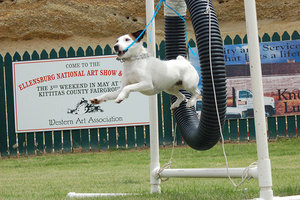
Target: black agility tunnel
x: 203, y: 134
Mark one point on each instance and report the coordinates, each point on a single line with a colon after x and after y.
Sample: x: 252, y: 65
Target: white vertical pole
x: 154, y: 143
x: 264, y: 163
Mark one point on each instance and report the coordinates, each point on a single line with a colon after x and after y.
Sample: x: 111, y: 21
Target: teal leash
x: 157, y: 8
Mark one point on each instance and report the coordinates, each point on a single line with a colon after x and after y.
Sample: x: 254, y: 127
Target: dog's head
x: 124, y: 41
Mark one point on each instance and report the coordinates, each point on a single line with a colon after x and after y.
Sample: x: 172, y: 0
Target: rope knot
x: 208, y: 10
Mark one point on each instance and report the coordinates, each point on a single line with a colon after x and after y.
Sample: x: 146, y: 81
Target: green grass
x: 127, y: 171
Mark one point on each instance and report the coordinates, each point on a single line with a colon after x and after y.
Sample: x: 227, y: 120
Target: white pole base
x: 85, y: 195
x: 155, y: 188
x: 209, y: 172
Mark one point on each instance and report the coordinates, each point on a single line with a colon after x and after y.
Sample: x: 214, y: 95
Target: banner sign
x: 54, y: 95
x: 270, y: 52
x: 281, y: 75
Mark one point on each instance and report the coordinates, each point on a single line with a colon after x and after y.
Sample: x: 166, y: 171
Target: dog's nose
x: 116, y: 48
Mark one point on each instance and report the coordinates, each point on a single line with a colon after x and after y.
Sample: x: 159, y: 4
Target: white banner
x: 54, y: 95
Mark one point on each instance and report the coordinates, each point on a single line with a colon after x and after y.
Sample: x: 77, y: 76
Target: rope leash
x: 157, y: 8
x: 245, y: 174
x: 184, y: 26
x: 168, y: 164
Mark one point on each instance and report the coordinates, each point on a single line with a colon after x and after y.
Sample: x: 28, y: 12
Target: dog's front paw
x: 96, y: 100
x: 120, y: 98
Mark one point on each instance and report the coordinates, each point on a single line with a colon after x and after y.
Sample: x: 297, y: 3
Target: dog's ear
x: 137, y: 34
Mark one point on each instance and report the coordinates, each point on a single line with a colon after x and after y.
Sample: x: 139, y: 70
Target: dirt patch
x: 40, y: 24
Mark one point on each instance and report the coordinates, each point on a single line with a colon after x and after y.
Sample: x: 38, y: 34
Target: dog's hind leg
x: 192, y: 101
x: 180, y: 98
x: 190, y: 84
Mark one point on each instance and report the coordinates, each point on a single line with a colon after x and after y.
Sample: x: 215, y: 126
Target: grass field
x: 127, y: 171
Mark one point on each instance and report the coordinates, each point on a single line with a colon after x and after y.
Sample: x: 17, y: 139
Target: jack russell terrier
x: 149, y: 75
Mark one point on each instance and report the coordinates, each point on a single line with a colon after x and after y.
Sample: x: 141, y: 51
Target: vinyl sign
x: 270, y: 52
x: 54, y: 95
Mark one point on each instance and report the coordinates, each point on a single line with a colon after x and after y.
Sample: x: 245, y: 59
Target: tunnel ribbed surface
x: 203, y: 134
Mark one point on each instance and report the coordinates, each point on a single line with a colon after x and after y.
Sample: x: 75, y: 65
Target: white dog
x: 150, y: 75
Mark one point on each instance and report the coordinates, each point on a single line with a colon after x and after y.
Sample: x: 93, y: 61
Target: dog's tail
x: 180, y: 58
x: 184, y: 59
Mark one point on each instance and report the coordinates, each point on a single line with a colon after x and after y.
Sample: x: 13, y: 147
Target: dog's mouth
x: 121, y: 53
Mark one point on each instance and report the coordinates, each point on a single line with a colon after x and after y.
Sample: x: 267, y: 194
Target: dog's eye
x: 127, y: 39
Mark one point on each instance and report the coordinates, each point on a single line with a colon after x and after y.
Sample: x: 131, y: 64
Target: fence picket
x: 103, y: 139
x: 272, y: 127
x: 281, y: 123
x: 233, y: 130
x: 266, y: 38
x: 84, y: 139
x: 130, y: 137
x: 226, y: 131
x: 243, y: 130
x: 140, y: 140
x: 192, y: 43
x: 145, y: 44
x: 295, y: 35
x: 237, y: 40
x: 297, y: 125
x: 275, y: 37
x: 167, y: 137
x: 11, y: 138
x: 89, y: 51
x: 147, y: 135
x: 291, y: 125
x: 286, y: 36
x: 251, y: 125
x: 71, y: 53
x: 121, y: 137
x: 94, y: 139
x: 112, y: 138
x: 107, y: 50
x: 67, y: 141
x: 245, y: 39
x: 160, y: 117
x: 227, y: 40
x: 44, y: 55
x: 3, y: 136
x: 162, y: 50
x: 53, y: 54
x: 20, y: 138
x: 26, y: 56
x: 98, y: 51
x: 62, y: 53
